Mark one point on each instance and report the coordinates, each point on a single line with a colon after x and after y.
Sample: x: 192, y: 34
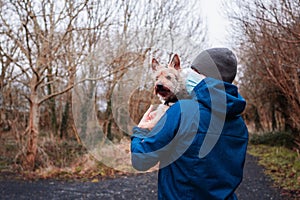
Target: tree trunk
x: 54, y: 124
x: 65, y: 119
x: 257, y: 123
x: 273, y: 116
x: 108, y: 115
x: 32, y: 131
x: 66, y: 112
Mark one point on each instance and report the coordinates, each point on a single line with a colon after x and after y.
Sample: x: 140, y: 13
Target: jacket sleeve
x: 150, y: 147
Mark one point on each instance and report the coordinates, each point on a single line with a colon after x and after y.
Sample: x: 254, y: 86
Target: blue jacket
x: 200, y: 143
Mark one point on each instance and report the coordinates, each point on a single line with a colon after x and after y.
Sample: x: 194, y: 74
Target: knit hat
x: 218, y: 63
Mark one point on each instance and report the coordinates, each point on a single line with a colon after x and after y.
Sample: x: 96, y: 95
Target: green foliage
x: 282, y: 164
x: 283, y: 139
x: 279, y: 154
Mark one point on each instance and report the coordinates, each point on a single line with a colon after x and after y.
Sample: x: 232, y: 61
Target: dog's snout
x: 159, y: 85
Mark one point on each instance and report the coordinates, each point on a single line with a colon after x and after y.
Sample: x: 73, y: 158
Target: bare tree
x: 268, y: 34
x: 147, y: 28
x: 51, y: 39
x: 45, y: 43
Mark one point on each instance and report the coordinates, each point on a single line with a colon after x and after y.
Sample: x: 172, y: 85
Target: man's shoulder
x: 184, y: 104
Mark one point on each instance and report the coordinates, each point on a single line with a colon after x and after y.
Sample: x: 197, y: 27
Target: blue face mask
x: 193, y: 79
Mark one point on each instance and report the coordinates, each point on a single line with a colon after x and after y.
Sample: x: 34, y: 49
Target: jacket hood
x: 220, y: 97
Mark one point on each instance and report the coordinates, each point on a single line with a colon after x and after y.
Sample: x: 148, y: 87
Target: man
x: 201, y: 142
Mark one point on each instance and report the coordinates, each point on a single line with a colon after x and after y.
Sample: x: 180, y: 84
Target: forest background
x: 69, y: 67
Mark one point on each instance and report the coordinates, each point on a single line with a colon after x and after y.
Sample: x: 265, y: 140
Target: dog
x: 169, y: 86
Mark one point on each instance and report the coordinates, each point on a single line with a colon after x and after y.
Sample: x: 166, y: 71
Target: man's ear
x: 155, y: 64
x: 175, y: 62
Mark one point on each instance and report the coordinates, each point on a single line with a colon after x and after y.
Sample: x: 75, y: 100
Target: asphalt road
x: 255, y: 186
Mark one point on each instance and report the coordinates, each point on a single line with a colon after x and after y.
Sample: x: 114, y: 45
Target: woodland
x: 75, y: 74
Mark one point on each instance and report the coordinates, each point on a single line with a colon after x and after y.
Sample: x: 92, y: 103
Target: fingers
x: 146, y: 116
x: 150, y: 109
x: 146, y: 125
x: 152, y: 115
x: 145, y: 121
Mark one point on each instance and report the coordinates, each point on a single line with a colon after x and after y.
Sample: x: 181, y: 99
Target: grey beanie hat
x: 218, y: 63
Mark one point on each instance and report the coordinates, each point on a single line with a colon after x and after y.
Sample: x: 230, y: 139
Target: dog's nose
x: 159, y: 85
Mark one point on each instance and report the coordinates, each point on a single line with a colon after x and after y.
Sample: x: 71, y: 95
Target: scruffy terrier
x: 168, y: 80
x: 169, y: 86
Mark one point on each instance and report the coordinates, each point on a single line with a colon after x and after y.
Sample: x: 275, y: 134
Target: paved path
x: 256, y: 186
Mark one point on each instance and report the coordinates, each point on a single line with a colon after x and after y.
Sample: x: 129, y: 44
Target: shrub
x: 283, y: 139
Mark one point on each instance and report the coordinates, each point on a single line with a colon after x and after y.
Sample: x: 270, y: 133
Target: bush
x: 283, y: 139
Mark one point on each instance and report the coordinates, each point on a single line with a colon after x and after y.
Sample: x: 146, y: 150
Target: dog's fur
x: 169, y: 85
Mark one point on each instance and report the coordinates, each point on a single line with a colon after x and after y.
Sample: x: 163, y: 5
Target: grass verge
x: 280, y: 159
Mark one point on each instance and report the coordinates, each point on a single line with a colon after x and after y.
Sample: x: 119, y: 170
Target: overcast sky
x: 216, y: 23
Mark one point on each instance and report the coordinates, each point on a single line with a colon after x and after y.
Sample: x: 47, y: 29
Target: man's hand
x: 146, y: 121
x: 151, y: 116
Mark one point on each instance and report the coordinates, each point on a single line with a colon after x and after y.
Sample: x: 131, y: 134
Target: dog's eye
x: 168, y: 77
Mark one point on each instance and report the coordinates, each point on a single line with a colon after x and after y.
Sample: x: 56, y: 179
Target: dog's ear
x: 155, y: 64
x: 175, y: 62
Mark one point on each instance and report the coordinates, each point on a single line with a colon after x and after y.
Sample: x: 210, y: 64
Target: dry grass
x: 68, y: 160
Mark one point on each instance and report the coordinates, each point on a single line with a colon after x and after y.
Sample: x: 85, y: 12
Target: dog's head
x: 167, y: 78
